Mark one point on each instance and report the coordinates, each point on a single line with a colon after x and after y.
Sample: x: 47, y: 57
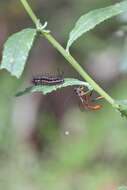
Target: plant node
x: 41, y: 28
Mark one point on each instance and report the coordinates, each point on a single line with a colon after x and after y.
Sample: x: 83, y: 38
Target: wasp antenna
x: 60, y: 73
x: 98, y: 98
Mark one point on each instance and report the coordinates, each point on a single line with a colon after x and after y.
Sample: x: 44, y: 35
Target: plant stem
x: 29, y: 11
x: 78, y: 68
x: 68, y: 57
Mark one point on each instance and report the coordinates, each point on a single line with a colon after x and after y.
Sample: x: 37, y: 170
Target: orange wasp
x: 86, y: 99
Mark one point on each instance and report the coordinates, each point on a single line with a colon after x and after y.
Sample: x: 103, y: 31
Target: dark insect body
x: 47, y: 80
x: 86, y: 101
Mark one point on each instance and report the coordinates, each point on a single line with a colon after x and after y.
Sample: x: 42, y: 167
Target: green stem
x: 68, y: 57
x: 78, y: 68
x: 29, y: 11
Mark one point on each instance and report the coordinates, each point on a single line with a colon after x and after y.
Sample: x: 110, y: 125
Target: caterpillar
x: 47, y: 80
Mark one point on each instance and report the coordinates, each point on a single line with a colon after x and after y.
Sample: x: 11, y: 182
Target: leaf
x: 45, y: 89
x: 16, y: 51
x: 93, y: 18
x: 122, y: 107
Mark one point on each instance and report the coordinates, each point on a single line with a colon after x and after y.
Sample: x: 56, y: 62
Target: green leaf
x: 122, y: 188
x: 122, y: 107
x: 16, y: 51
x: 45, y: 89
x: 93, y: 18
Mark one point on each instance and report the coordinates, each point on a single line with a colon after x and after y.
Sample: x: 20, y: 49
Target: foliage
x: 15, y: 63
x: 16, y: 51
x: 93, y: 18
x: 92, y: 155
x: 45, y: 89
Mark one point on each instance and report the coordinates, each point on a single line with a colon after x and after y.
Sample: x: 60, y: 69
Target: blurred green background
x: 36, y: 151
